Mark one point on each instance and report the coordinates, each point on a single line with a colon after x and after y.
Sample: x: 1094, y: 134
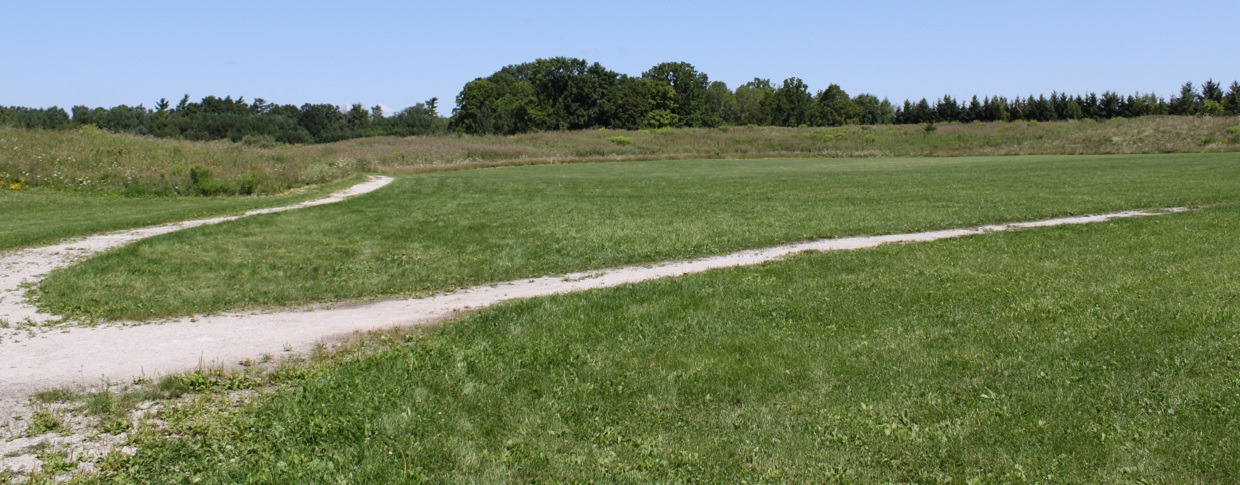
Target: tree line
x: 257, y: 122
x: 564, y: 93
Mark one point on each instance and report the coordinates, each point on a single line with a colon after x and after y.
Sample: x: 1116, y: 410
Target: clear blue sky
x: 397, y: 54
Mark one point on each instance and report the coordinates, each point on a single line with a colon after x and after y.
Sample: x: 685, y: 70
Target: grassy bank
x: 438, y: 231
x: 1120, y: 136
x: 88, y: 160
x: 1090, y: 354
x: 102, y: 162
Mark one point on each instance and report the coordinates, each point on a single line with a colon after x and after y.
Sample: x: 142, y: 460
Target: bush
x: 249, y: 183
x: 260, y: 141
x: 202, y: 183
x: 1210, y: 107
x: 621, y: 140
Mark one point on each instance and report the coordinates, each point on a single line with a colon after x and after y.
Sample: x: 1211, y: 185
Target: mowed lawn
x: 1103, y: 353
x: 40, y: 216
x: 438, y: 231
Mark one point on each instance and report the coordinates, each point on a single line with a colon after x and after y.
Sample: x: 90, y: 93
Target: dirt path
x: 120, y: 353
x: 25, y: 267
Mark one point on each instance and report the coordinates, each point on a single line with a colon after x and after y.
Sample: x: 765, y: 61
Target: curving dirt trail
x: 25, y: 267
x: 76, y: 355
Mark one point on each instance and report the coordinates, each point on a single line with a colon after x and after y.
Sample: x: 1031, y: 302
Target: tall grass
x: 1152, y: 134
x: 89, y: 160
x: 86, y: 159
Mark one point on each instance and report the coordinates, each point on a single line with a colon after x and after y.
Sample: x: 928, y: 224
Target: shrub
x: 260, y: 141
x: 620, y: 140
x: 249, y: 183
x: 202, y: 183
x: 1210, y: 107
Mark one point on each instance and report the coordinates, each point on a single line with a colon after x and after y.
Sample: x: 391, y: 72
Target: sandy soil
x: 120, y: 353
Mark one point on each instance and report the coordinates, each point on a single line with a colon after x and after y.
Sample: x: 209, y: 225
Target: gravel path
x: 118, y: 353
x: 26, y: 267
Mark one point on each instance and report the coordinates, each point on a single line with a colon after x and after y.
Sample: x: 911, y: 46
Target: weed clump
x: 12, y: 182
x: 43, y: 422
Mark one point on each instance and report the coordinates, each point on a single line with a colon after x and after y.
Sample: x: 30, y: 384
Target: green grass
x: 438, y: 231
x: 1087, y: 354
x: 1151, y: 134
x: 36, y: 215
x: 89, y: 160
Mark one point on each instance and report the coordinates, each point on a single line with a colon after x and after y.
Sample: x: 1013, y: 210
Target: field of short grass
x: 436, y: 231
x: 38, y: 215
x: 1087, y: 354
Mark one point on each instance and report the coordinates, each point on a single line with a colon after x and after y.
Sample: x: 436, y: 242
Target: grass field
x: 1154, y: 134
x: 38, y: 216
x: 1088, y: 354
x: 439, y: 231
x: 90, y: 160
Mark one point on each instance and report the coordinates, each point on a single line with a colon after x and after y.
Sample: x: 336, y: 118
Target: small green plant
x: 44, y: 421
x: 115, y: 425
x: 56, y: 462
x: 620, y: 140
x: 931, y: 127
x: 1234, y: 131
x: 216, y: 381
x: 55, y: 395
x: 1209, y: 139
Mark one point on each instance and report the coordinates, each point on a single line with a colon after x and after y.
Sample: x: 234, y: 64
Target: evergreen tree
x: 1231, y: 102
x: 946, y: 110
x: 1186, y: 102
x: 1212, y: 91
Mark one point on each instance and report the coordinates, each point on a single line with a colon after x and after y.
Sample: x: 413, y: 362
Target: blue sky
x: 396, y: 54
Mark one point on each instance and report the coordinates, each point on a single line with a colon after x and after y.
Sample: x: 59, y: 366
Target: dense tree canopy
x: 563, y: 93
